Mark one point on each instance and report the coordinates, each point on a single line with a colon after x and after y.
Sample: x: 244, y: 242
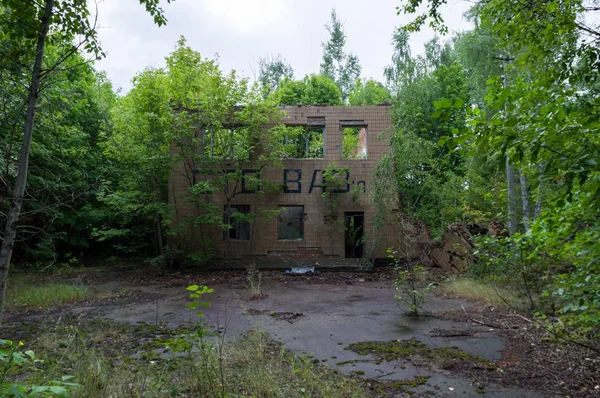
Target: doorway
x: 354, y: 223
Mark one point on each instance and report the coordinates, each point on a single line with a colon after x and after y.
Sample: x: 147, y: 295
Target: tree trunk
x: 158, y: 227
x: 10, y: 231
x: 511, y: 183
x: 538, y: 200
x: 525, y: 199
x: 159, y: 237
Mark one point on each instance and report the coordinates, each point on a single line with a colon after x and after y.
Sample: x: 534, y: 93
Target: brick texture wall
x: 324, y: 237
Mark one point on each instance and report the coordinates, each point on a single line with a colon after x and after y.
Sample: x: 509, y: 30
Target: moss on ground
x: 407, y: 349
x: 392, y: 388
x: 417, y: 381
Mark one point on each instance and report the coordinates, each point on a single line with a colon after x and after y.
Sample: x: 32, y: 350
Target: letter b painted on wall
x: 292, y: 181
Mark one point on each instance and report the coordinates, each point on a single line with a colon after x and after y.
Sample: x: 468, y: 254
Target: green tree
x: 65, y: 164
x: 368, y: 92
x: 341, y: 67
x: 402, y: 70
x: 26, y: 30
x: 478, y: 52
x: 272, y: 71
x: 312, y: 90
x: 427, y: 182
x: 544, y: 119
x: 138, y: 146
x: 219, y: 130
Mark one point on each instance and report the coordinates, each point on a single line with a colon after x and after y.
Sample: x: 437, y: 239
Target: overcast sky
x: 242, y: 31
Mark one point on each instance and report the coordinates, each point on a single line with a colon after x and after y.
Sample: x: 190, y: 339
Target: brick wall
x: 324, y: 237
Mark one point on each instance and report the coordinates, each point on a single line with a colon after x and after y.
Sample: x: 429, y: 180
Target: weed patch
x: 110, y: 359
x: 478, y: 290
x: 409, y: 349
x: 45, y: 296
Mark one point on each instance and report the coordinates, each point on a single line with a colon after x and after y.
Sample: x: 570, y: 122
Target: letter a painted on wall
x: 313, y: 181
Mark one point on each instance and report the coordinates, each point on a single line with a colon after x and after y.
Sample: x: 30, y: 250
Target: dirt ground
x: 324, y: 316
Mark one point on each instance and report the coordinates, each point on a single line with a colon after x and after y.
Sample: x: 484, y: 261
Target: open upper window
x: 354, y: 140
x: 224, y: 143
x: 236, y: 217
x: 307, y: 142
x: 290, y: 225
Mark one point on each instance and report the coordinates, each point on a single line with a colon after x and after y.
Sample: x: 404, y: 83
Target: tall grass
x: 108, y: 360
x: 478, y: 290
x: 27, y: 296
x: 258, y: 366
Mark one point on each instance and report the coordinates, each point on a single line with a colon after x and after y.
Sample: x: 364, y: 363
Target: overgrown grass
x: 44, y: 296
x: 40, y: 291
x: 260, y: 367
x: 110, y: 359
x: 475, y: 289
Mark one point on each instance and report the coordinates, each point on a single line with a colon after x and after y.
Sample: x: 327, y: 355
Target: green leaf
x: 56, y: 390
x: 459, y: 103
x: 511, y: 122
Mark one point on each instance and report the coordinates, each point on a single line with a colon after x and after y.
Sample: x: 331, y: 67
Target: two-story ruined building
x: 306, y: 230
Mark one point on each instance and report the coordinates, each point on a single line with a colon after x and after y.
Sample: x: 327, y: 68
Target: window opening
x: 306, y: 142
x: 236, y: 217
x: 290, y: 225
x: 354, y: 140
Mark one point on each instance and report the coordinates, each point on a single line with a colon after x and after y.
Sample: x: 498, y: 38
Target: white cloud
x: 247, y: 17
x: 242, y: 31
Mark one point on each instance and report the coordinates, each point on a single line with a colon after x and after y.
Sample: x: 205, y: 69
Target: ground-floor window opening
x: 236, y: 218
x: 290, y: 225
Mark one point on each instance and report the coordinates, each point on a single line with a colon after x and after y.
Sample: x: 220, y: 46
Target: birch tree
x: 27, y: 28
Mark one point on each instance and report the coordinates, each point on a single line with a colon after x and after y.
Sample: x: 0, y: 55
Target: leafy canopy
x: 313, y: 89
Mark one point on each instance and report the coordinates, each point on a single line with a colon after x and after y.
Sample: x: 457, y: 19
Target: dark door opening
x: 354, y: 224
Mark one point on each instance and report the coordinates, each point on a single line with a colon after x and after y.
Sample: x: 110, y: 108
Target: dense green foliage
x: 368, y: 92
x: 543, y: 118
x: 39, y: 41
x: 66, y: 162
x: 313, y: 89
x: 430, y: 97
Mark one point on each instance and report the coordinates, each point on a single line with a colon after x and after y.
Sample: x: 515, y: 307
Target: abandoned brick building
x: 305, y: 229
